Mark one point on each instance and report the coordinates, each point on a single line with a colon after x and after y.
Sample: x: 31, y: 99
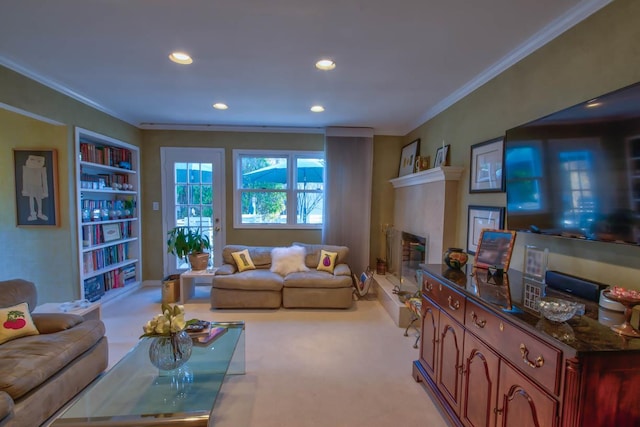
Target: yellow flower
x: 169, y: 322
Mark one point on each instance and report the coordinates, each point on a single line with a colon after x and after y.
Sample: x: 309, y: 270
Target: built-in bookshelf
x: 108, y: 192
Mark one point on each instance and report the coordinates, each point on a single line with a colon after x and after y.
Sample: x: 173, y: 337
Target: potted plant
x: 186, y: 243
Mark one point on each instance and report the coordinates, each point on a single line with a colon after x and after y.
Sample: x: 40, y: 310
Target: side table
x: 93, y: 311
x: 187, y: 282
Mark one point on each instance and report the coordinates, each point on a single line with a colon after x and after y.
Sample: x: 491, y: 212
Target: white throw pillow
x: 288, y: 260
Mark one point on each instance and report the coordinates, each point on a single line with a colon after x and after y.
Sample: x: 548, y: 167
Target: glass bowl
x: 557, y: 309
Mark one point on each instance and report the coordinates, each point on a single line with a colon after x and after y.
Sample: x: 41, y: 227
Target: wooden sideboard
x: 489, y: 361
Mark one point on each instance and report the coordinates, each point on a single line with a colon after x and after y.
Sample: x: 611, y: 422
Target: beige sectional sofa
x: 40, y: 373
x: 262, y: 288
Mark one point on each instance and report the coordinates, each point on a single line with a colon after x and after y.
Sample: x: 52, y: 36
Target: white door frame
x: 194, y: 155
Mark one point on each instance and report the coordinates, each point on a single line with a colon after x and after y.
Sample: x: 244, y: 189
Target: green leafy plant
x: 183, y: 241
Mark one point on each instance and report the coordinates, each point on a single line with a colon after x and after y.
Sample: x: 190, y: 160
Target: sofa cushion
x: 48, y: 323
x: 316, y: 279
x: 313, y: 253
x: 15, y: 291
x: 259, y: 279
x: 16, y: 322
x: 327, y: 261
x: 243, y: 260
x: 288, y: 260
x: 6, y: 407
x: 260, y: 255
x: 29, y: 361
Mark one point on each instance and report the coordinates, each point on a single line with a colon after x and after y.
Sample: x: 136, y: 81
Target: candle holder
x: 625, y: 328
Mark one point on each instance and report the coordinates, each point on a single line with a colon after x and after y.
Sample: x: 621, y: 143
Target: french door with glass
x: 193, y: 197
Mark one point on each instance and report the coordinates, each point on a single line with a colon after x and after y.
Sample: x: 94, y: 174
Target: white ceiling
x: 398, y: 62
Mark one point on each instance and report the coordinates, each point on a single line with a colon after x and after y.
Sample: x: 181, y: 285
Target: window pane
x: 207, y: 194
x: 181, y: 173
x: 309, y: 209
x: 181, y: 195
x: 264, y: 208
x: 207, y: 172
x: 309, y: 174
x: 194, y: 173
x: 264, y: 172
x: 194, y: 194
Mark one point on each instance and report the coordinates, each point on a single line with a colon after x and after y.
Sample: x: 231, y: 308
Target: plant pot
x: 199, y: 261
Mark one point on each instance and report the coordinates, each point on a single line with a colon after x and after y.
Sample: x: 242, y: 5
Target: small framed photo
x: 479, y: 218
x: 532, y: 292
x: 111, y: 232
x: 36, y: 187
x: 535, y: 262
x: 494, y: 249
x: 408, y: 158
x: 487, y: 159
x: 442, y: 156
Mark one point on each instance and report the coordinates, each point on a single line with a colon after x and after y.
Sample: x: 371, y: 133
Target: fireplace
x: 405, y: 252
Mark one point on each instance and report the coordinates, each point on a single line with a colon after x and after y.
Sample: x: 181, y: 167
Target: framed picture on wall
x: 408, y: 158
x: 479, y: 218
x: 36, y: 186
x: 487, y: 159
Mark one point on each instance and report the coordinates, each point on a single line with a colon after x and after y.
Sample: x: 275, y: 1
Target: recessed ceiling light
x: 180, y: 58
x: 325, y: 65
x: 220, y: 106
x: 317, y: 108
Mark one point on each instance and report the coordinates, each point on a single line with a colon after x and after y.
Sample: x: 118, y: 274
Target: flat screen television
x: 576, y: 173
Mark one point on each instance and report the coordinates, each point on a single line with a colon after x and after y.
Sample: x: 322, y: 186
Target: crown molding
x: 230, y: 128
x: 541, y: 38
x: 441, y: 173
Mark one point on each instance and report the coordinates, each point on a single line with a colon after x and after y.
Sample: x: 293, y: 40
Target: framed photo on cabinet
x: 36, y: 186
x: 494, y: 249
x: 487, y: 160
x: 479, y: 218
x: 408, y: 158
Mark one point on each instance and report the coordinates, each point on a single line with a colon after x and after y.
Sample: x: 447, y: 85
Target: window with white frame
x: 278, y: 189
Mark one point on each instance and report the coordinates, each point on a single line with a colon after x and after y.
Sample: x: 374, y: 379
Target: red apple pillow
x: 16, y: 322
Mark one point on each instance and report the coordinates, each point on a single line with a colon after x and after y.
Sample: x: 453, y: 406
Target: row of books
x: 95, y: 287
x: 103, y: 180
x: 95, y: 234
x: 102, y: 258
x: 106, y: 155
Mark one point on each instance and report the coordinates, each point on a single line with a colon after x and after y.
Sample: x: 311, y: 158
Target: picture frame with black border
x: 494, y: 249
x: 36, y: 187
x: 479, y: 218
x: 535, y: 262
x: 487, y: 166
x: 442, y: 156
x: 408, y: 158
x: 111, y: 232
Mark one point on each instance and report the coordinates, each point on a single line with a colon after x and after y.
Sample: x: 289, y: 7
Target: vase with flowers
x: 171, y: 346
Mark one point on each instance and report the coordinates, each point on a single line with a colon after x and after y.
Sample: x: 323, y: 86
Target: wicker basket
x: 199, y: 261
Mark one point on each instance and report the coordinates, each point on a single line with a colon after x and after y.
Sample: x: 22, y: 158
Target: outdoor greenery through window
x: 279, y: 188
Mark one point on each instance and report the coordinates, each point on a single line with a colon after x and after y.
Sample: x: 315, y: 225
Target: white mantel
x: 441, y: 173
x: 426, y: 204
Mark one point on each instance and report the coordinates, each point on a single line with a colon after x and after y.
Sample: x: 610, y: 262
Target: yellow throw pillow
x: 327, y: 261
x: 243, y: 260
x: 16, y: 322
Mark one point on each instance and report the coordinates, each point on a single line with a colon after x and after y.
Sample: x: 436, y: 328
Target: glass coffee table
x: 135, y: 393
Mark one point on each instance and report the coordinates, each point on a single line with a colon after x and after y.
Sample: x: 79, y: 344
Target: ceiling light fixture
x: 317, y: 108
x: 220, y: 106
x: 180, y: 58
x: 325, y: 65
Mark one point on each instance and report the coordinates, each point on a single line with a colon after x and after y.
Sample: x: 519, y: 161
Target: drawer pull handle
x: 524, y: 351
x: 453, y: 305
x: 497, y: 411
x: 428, y: 286
x: 474, y: 318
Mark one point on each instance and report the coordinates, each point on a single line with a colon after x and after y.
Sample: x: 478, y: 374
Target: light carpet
x: 304, y: 368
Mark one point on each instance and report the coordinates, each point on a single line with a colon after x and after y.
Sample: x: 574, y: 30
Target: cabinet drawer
x: 534, y: 357
x: 451, y: 302
x: 430, y: 287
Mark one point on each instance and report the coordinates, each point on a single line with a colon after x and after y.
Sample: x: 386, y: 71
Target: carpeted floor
x: 303, y: 367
